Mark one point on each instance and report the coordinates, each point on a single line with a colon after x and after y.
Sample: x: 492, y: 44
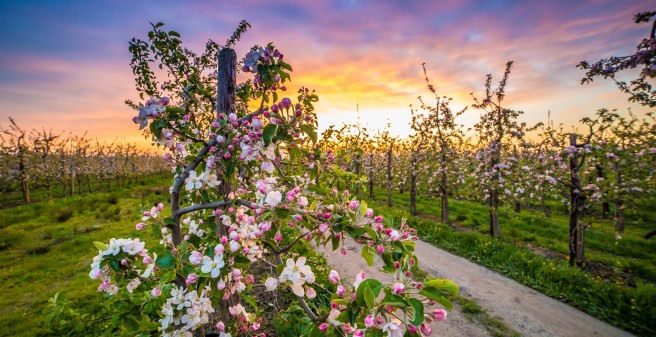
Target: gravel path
x: 523, y: 309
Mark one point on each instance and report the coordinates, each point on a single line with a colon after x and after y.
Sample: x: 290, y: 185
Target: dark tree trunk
x: 371, y: 177
x: 577, y: 204
x: 389, y: 177
x: 445, y: 198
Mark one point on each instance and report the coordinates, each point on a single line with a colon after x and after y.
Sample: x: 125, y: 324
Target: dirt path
x: 522, y: 309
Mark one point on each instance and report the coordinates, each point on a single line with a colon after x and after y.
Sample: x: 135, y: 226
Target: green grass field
x: 47, y: 248
x: 620, y: 290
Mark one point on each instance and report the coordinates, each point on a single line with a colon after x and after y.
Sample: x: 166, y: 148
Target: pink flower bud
x: 278, y: 237
x: 139, y: 226
x: 398, y: 288
x: 439, y: 314
x: 340, y: 290
x: 369, y: 213
x: 146, y: 260
x: 369, y: 321
x: 156, y: 291
x: 426, y: 329
x: 124, y: 262
x: 220, y: 326
x: 380, y: 249
x: 333, y: 277
x: 323, y: 327
x: 413, y: 328
x: 378, y: 219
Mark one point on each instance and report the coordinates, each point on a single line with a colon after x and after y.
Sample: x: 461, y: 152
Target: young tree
x: 495, y: 127
x: 243, y: 193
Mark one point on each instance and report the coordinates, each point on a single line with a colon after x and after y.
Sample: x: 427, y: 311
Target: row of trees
x: 43, y: 159
x: 608, y: 165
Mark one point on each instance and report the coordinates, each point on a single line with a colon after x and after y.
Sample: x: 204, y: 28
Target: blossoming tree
x: 246, y: 189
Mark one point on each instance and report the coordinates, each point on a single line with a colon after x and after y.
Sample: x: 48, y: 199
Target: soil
x: 521, y: 308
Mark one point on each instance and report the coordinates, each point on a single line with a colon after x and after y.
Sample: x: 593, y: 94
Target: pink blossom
x: 426, y: 329
x: 439, y: 314
x: 333, y: 277
x: 369, y: 321
x: 398, y: 288
x: 156, y: 291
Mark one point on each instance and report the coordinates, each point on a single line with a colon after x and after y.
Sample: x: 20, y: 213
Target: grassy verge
x: 630, y: 306
x: 47, y: 248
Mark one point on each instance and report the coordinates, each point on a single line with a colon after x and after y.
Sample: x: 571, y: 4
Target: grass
x: 494, y: 324
x: 628, y: 304
x: 47, y: 248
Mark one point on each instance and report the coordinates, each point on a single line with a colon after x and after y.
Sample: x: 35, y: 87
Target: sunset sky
x: 65, y: 64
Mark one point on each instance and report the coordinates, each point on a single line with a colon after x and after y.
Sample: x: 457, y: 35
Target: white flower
x: 269, y: 152
x: 268, y: 166
x: 213, y: 266
x: 273, y: 198
x: 271, y: 284
x: 302, y: 201
x: 133, y: 284
x: 392, y: 330
x: 298, y: 273
x: 134, y: 247
x: 193, y: 181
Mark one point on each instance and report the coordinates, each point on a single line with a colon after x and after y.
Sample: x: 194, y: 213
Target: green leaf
x: 310, y: 132
x: 101, y: 246
x: 335, y: 243
x: 169, y: 221
x: 285, y: 65
x: 368, y: 255
x: 165, y: 260
x: 275, y: 97
x: 437, y: 296
x: 373, y: 285
x: 168, y: 276
x: 369, y: 298
x: 174, y: 33
x: 395, y: 300
x: 114, y: 265
x: 444, y: 285
x: 417, y: 312
x: 268, y: 133
x: 241, y: 259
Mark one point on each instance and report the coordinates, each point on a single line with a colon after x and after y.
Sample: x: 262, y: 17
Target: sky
x: 64, y: 65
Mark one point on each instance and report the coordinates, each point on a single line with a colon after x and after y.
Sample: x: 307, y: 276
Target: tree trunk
x: 25, y: 185
x: 619, y: 220
x: 413, y: 194
x: 371, y: 177
x: 445, y: 199
x: 518, y: 207
x: 577, y: 202
x: 357, y: 173
x: 389, y: 177
x: 495, y: 228
x: 545, y: 209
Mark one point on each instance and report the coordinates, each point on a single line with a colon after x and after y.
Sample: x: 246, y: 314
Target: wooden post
x: 225, y: 103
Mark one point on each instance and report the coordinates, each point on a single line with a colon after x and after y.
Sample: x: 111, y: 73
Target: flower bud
x: 398, y: 288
